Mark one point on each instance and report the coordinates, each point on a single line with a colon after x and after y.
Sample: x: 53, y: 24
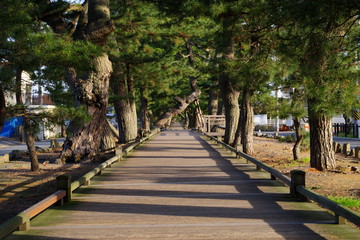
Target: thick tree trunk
x: 321, y: 151
x: 2, y: 108
x: 91, y: 88
x: 30, y: 142
x: 213, y: 101
x: 247, y: 122
x: 91, y: 91
x: 299, y: 137
x: 125, y: 108
x: 231, y: 104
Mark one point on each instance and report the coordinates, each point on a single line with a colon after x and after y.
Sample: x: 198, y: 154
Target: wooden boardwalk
x: 179, y: 186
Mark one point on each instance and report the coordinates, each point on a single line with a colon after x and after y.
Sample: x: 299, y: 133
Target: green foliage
x: 318, y: 43
x: 61, y: 114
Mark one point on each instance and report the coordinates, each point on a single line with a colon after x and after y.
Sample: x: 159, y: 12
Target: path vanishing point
x: 178, y: 185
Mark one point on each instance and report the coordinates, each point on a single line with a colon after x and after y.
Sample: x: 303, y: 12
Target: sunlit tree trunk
x: 125, y: 108
x: 247, y: 122
x: 299, y: 137
x: 322, y: 155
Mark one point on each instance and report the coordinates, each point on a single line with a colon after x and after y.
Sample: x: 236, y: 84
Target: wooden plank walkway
x: 179, y: 186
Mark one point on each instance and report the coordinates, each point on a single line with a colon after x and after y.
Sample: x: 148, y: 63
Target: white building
x: 36, y: 102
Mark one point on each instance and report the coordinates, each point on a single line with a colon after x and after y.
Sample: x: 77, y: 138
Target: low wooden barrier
x: 65, y: 187
x: 22, y: 220
x: 297, y: 187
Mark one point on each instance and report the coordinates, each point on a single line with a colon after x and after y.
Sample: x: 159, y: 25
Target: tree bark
x: 213, y: 101
x: 107, y: 142
x: 91, y: 87
x: 299, y: 137
x: 247, y: 122
x: 230, y: 100
x: 18, y: 84
x: 2, y: 108
x: 125, y: 108
x: 321, y: 151
x: 30, y: 143
x: 92, y: 91
x: 220, y: 110
x: 145, y: 121
x: 28, y: 125
x: 182, y: 104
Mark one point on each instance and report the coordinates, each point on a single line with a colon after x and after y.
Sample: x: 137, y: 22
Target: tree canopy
x: 149, y: 51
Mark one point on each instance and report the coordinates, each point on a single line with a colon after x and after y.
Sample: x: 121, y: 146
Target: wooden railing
x: 22, y: 220
x: 297, y: 187
x: 65, y: 187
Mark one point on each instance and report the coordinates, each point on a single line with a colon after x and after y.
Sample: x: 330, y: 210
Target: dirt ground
x: 20, y: 188
x: 344, y: 181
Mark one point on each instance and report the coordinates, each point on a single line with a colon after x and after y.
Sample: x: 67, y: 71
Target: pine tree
x: 321, y: 37
x: 89, y: 23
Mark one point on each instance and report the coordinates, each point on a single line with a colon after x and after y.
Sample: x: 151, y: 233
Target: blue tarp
x: 10, y: 126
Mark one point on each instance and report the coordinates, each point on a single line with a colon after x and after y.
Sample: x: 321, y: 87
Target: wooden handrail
x: 338, y: 209
x: 22, y: 220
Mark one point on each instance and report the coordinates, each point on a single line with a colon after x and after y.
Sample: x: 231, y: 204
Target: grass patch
x: 305, y: 159
x: 349, y: 135
x: 347, y: 201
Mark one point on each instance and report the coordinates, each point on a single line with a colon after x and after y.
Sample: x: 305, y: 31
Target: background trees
x: 149, y: 51
x: 318, y: 37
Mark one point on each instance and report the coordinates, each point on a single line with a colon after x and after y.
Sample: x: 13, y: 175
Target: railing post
x: 119, y: 152
x: 238, y: 149
x: 339, y: 220
x: 297, y: 179
x: 64, y: 183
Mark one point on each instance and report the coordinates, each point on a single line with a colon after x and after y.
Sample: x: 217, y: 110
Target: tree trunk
x: 186, y: 120
x: 145, y: 122
x: 321, y: 151
x: 2, y: 108
x: 229, y: 94
x: 92, y: 91
x: 182, y: 104
x: 220, y: 110
x: 30, y: 143
x: 18, y: 84
x: 230, y: 100
x: 91, y: 88
x: 28, y: 126
x: 247, y: 122
x: 299, y: 137
x: 213, y: 101
x: 107, y: 142
x: 125, y: 108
